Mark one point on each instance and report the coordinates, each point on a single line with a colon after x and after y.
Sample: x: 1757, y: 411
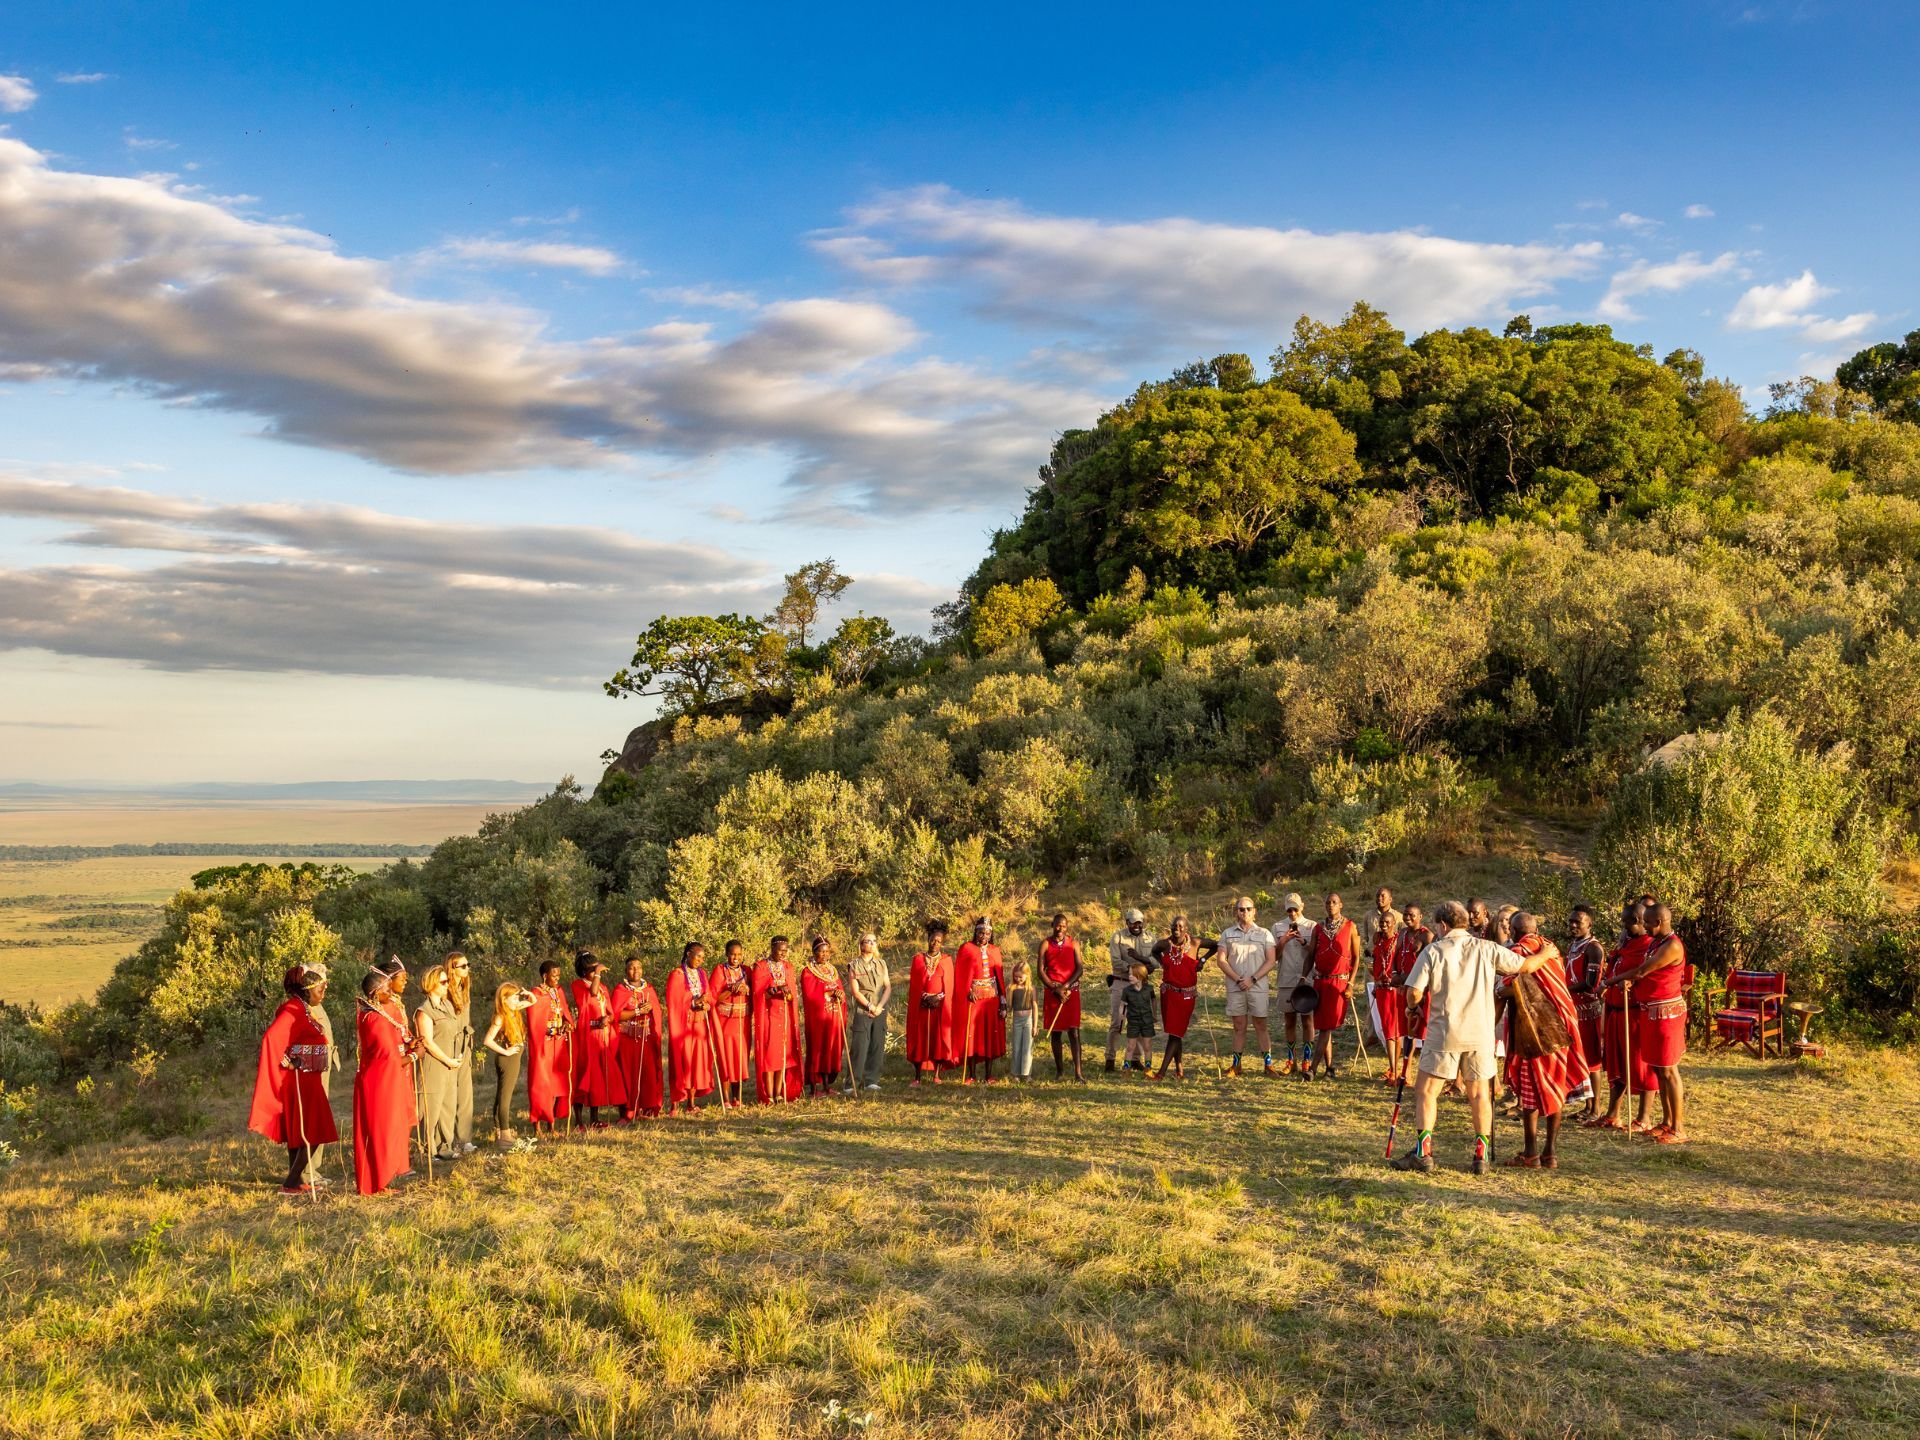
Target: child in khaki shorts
x: 1141, y: 1010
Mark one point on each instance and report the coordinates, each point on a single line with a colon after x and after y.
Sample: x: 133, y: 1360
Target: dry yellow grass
x: 1209, y: 1259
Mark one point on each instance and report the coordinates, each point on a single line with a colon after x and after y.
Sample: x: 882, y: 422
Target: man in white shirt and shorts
x: 1246, y: 958
x: 1460, y: 971
x: 1293, y: 944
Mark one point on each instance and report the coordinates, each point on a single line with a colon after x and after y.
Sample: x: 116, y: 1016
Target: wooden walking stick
x: 713, y: 1043
x: 1359, y: 1037
x: 567, y: 1094
x: 300, y: 1119
x: 1206, y: 1019
x: 1626, y: 1054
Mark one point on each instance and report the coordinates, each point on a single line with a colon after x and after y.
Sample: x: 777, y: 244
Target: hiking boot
x: 1286, y: 1066
x: 1109, y: 1064
x: 1234, y: 1068
x: 1417, y: 1161
x: 1479, y: 1166
x: 1268, y: 1070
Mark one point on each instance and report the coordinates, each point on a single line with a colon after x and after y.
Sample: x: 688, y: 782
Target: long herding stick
x: 1206, y: 1019
x: 713, y: 1049
x: 1359, y: 1036
x: 1626, y: 1053
x: 300, y: 1119
x: 1399, y: 1090
x: 570, y: 1080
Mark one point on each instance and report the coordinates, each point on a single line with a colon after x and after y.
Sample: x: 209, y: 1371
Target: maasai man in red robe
x: 1414, y: 937
x: 823, y: 1003
x: 549, y: 1052
x: 930, y: 1006
x: 1383, y: 994
x: 1542, y: 1082
x: 690, y: 1028
x: 1336, y: 958
x: 596, y: 1042
x: 1625, y: 960
x: 1586, y: 963
x: 636, y: 1017
x: 290, y: 1105
x: 776, y: 1025
x: 1061, y: 970
x: 980, y: 1011
x: 1180, y: 956
x: 1658, y: 1015
x: 383, y: 1113
x: 731, y: 984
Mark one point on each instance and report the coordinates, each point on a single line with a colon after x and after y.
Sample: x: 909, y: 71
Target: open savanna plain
x: 64, y: 924
x: 1211, y: 1258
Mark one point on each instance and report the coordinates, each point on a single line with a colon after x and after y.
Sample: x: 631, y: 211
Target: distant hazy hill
x: 379, y: 792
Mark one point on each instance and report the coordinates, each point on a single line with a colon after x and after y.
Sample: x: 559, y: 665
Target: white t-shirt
x: 1460, y: 971
x: 1245, y: 947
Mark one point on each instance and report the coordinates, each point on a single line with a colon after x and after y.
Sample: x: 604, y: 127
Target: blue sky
x: 368, y: 382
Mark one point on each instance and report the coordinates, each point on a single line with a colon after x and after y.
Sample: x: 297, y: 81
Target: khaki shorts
x: 1247, y: 1002
x: 1290, y: 969
x: 1473, y: 1067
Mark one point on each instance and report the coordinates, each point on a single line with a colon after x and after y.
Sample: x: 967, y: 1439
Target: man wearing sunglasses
x: 1245, y: 957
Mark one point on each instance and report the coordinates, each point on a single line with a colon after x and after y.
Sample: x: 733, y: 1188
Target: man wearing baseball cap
x: 1130, y: 945
x: 1293, y: 943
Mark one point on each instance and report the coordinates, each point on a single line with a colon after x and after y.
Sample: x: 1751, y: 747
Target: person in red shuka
x: 1414, y: 937
x: 383, y: 1113
x: 290, y: 1105
x: 824, y: 1002
x: 776, y: 1025
x: 1383, y: 994
x: 1061, y: 969
x: 549, y: 1052
x: 1659, y: 1019
x: 731, y: 984
x: 689, y: 1029
x: 1542, y: 1083
x: 1180, y: 957
x: 1586, y: 961
x: 636, y: 1018
x: 596, y: 1043
x: 1336, y: 956
x: 980, y: 1010
x: 1626, y: 958
x: 930, y: 1006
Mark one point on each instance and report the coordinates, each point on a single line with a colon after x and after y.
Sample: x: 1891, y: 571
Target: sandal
x: 1667, y: 1137
x: 1549, y: 1162
x: 1524, y: 1162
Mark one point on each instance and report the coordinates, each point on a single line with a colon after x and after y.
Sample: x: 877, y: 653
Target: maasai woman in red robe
x: 689, y: 1029
x: 1389, y: 1010
x: 1543, y: 1082
x: 930, y: 1004
x: 980, y: 1013
x: 776, y: 1026
x: 549, y: 1052
x: 290, y: 1105
x: 1658, y: 1016
x: 1633, y: 948
x: 1336, y: 954
x: 383, y: 1113
x: 1180, y: 957
x: 596, y: 1043
x: 824, y: 1001
x: 636, y: 1017
x: 1061, y: 971
x: 731, y: 984
x: 1414, y: 937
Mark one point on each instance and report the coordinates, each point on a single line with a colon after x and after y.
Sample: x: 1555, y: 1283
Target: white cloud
x: 705, y: 297
x: 1643, y: 277
x: 83, y: 77
x: 136, y: 141
x: 540, y: 254
x: 1627, y: 220
x: 1789, y: 306
x: 137, y: 282
x: 1698, y: 212
x: 16, y: 94
x: 1183, y: 281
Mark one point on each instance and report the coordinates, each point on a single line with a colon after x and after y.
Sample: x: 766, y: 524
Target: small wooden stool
x: 1803, y: 1048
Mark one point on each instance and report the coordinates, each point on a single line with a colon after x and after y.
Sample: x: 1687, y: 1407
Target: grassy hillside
x: 1207, y: 1259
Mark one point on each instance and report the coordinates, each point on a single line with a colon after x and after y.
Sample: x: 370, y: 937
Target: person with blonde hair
x: 460, y: 1001
x: 870, y: 988
x: 436, y: 1027
x: 506, y: 1040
